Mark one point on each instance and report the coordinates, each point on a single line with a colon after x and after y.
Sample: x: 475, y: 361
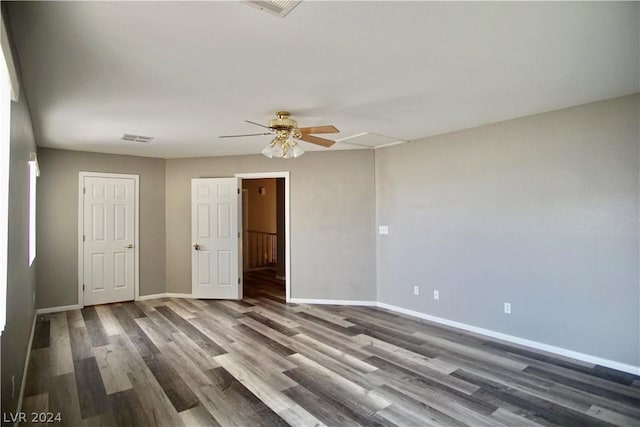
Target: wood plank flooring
x: 259, y: 361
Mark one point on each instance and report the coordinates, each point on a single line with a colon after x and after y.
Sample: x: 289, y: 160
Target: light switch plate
x: 383, y: 229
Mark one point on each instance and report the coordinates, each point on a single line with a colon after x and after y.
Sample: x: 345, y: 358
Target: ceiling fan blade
x: 317, y: 140
x: 257, y: 124
x: 249, y: 134
x: 320, y: 129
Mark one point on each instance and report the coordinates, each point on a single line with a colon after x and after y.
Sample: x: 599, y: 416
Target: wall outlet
x: 436, y: 294
x: 507, y: 308
x: 416, y: 290
x: 383, y: 229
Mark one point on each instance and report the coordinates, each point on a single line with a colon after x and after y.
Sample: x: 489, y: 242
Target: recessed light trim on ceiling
x: 136, y: 138
x: 279, y: 8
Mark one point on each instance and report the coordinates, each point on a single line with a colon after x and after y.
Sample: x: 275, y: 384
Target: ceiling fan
x: 286, y: 133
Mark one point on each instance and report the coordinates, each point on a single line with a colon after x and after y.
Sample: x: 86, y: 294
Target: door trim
x: 136, y: 235
x: 287, y: 224
x: 244, y: 201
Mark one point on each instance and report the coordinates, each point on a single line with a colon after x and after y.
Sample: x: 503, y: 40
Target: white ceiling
x: 188, y: 72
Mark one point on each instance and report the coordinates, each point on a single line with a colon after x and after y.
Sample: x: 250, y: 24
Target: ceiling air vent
x: 275, y: 7
x: 136, y: 138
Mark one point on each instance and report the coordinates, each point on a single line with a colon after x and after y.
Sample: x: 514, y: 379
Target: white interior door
x: 215, y: 271
x: 108, y: 239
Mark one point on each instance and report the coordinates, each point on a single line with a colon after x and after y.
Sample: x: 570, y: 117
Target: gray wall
x: 57, y: 237
x: 541, y: 212
x: 20, y: 277
x: 332, y: 219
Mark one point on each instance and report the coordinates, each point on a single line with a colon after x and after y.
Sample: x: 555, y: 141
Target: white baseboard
x: 140, y: 298
x: 165, y: 295
x: 57, y: 309
x: 26, y: 365
x: 517, y: 340
x: 333, y: 302
x: 174, y: 295
x: 153, y: 296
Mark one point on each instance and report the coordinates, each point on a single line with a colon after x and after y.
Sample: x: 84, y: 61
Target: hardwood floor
x: 172, y: 362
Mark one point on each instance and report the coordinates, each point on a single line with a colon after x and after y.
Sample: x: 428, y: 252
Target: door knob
x: 196, y: 246
x: 129, y: 246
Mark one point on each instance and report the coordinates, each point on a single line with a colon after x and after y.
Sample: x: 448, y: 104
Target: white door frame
x: 287, y: 225
x: 136, y: 222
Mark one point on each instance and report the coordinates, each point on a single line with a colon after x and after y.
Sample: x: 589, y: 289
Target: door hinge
x: 84, y: 237
x: 83, y: 287
x: 238, y: 234
x: 238, y: 191
x: 84, y: 190
x: 238, y: 280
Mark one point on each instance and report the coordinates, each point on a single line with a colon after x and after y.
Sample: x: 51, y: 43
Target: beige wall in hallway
x: 262, y: 207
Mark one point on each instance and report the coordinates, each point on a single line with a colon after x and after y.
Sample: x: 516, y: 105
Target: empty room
x: 320, y: 213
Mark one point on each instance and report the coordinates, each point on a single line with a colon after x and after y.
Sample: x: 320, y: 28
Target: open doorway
x: 264, y: 236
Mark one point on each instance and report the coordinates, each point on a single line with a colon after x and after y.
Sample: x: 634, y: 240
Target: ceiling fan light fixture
x: 297, y: 151
x: 286, y: 132
x: 283, y: 146
x: 294, y: 150
x: 268, y: 151
x: 288, y: 154
x: 277, y: 149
